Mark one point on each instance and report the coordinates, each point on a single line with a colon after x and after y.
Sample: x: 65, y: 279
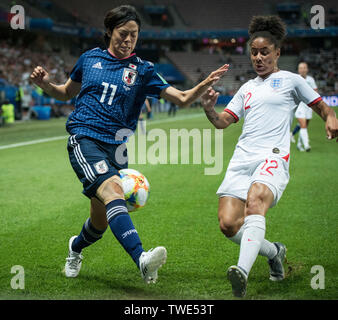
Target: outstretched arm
x: 329, y: 116
x: 219, y: 120
x: 61, y: 92
x: 185, y: 98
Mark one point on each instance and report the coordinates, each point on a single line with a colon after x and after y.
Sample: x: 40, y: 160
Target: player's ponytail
x: 118, y: 16
x: 270, y: 27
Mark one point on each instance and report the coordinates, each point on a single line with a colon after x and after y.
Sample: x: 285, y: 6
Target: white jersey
x: 266, y: 106
x: 311, y: 82
x: 303, y: 111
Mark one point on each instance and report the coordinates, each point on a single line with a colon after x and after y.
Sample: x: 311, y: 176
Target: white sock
x: 268, y: 249
x: 253, y: 236
x: 304, y: 136
x: 238, y: 236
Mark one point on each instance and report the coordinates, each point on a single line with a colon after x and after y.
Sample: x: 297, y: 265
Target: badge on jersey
x: 129, y: 76
x: 101, y: 167
x: 276, y: 83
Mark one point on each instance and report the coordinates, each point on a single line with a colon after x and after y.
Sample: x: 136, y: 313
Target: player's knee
x: 110, y: 190
x: 229, y: 227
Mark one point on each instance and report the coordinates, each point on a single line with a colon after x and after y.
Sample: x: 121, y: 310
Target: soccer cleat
x: 150, y: 262
x: 308, y: 149
x: 238, y: 280
x: 292, y: 138
x: 73, y: 261
x: 300, y: 148
x: 276, y: 264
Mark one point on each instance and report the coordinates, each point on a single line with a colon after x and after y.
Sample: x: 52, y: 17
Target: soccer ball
x: 135, y: 187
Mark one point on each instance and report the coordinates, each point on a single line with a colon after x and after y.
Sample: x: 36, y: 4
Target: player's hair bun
x: 268, y: 24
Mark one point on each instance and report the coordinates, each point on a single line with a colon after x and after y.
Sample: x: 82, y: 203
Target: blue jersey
x: 112, y: 95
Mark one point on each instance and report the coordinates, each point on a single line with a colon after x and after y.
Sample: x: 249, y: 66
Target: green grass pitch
x: 41, y: 206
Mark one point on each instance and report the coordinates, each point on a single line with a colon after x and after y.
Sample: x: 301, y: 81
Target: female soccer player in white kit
x: 259, y: 169
x: 303, y: 112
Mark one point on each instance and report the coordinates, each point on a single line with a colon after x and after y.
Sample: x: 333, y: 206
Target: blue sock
x: 88, y: 236
x: 296, y: 129
x: 123, y: 229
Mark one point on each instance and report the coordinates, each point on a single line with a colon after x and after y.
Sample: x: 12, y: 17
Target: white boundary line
x: 21, y: 144
x: 149, y: 123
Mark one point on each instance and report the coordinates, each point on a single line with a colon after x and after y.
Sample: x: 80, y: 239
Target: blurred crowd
x: 17, y: 63
x: 323, y: 66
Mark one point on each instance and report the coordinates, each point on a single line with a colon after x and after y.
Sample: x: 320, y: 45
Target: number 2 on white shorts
x: 273, y: 165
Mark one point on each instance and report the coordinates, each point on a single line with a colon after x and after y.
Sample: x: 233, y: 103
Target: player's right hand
x: 331, y: 127
x: 215, y: 76
x: 40, y: 76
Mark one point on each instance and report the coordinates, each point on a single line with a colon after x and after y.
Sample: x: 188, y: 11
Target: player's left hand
x: 331, y: 127
x: 216, y: 75
x: 209, y: 99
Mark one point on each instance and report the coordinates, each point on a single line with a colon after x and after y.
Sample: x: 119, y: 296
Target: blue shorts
x: 95, y: 161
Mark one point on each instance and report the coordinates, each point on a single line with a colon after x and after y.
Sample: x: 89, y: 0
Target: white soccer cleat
x: 292, y: 138
x: 150, y: 262
x: 238, y: 280
x: 73, y: 261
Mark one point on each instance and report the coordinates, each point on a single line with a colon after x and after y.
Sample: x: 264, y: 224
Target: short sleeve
x: 303, y: 92
x: 76, y: 73
x: 155, y: 83
x: 236, y: 105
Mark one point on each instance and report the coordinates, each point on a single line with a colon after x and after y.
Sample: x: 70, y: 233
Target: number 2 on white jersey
x: 247, y: 97
x: 105, y: 90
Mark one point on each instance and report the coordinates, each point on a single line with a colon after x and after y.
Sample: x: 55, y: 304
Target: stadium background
x: 186, y: 40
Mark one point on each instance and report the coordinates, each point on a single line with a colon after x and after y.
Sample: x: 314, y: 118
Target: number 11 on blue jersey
x: 105, y: 90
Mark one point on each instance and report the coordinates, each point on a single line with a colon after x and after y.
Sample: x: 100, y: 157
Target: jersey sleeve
x: 155, y: 83
x: 236, y: 106
x: 76, y: 73
x: 303, y: 92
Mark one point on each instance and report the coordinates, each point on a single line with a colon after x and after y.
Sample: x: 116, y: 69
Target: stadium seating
x: 83, y: 9
x: 197, y: 65
x: 193, y: 62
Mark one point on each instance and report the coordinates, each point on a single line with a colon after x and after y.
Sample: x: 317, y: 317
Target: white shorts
x: 272, y: 171
x: 303, y: 111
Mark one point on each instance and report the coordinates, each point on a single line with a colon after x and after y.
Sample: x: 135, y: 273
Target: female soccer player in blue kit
x: 112, y: 86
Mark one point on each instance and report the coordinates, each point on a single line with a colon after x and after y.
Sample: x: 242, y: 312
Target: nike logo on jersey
x: 97, y: 65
